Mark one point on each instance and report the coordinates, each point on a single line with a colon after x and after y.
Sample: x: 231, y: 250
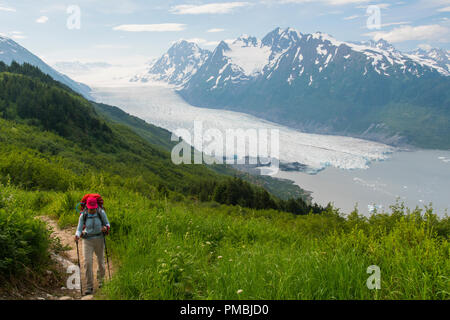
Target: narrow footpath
x: 67, y: 260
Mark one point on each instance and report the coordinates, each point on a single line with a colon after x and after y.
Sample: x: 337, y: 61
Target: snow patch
x: 290, y: 79
x: 251, y: 59
x: 320, y: 50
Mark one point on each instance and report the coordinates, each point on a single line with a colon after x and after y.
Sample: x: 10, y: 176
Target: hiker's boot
x: 88, y: 291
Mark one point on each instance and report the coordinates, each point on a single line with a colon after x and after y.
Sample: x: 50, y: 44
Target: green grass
x: 24, y: 241
x: 182, y: 250
x: 169, y: 250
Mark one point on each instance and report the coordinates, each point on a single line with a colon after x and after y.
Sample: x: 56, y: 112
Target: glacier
x: 159, y: 104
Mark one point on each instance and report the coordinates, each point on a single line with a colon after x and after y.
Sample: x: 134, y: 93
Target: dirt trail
x: 69, y: 257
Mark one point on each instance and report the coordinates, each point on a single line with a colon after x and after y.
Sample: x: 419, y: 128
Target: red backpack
x: 91, y: 195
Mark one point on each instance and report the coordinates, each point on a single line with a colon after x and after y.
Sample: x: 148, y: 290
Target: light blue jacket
x: 93, y: 224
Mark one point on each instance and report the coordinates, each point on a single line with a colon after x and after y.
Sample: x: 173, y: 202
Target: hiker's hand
x: 104, y: 229
x: 77, y: 238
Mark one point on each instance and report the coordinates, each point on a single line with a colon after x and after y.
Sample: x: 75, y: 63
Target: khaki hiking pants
x: 90, y: 246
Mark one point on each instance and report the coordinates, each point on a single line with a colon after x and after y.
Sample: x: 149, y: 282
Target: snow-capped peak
x: 177, y: 65
x: 434, y: 57
x: 383, y: 45
x: 292, y: 55
x: 380, y: 44
x: 246, y: 41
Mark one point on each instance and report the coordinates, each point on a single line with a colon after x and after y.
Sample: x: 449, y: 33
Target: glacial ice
x: 161, y: 106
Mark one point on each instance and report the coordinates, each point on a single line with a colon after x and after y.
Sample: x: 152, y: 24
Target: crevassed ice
x: 161, y: 106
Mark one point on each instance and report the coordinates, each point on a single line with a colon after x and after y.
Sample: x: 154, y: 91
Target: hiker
x: 93, y: 225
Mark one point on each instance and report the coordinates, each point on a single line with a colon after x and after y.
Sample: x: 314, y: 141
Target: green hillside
x: 88, y: 144
x: 283, y: 189
x: 149, y: 132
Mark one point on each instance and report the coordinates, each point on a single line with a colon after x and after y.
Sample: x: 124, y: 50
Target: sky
x: 136, y: 31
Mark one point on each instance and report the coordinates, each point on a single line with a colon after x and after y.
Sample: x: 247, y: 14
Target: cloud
x: 9, y: 9
x: 407, y: 33
x: 331, y: 13
x: 212, y: 43
x: 425, y: 46
x: 446, y: 9
x: 379, y: 5
x: 345, y: 2
x: 161, y: 27
x: 201, y: 42
x: 360, y: 4
x: 215, y: 30
x: 210, y: 8
x: 42, y: 19
x: 54, y: 8
x: 351, y: 17
x: 389, y: 24
x: 110, y: 46
x: 384, y: 25
x: 330, y: 2
x: 14, y: 35
x: 384, y: 5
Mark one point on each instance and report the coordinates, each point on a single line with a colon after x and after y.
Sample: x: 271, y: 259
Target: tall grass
x: 24, y: 241
x: 182, y: 250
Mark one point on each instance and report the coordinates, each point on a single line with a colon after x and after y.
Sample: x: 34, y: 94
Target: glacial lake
x: 415, y: 178
x: 347, y: 170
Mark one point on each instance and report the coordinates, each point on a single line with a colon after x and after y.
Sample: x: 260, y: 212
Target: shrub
x: 24, y: 243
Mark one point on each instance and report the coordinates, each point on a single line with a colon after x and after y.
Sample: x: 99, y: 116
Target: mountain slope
x: 53, y: 139
x: 11, y: 51
x: 438, y: 57
x: 149, y: 132
x: 177, y: 66
x: 283, y: 189
x: 316, y: 83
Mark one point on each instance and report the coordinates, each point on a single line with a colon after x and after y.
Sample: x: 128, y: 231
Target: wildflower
x: 219, y: 257
x: 240, y: 291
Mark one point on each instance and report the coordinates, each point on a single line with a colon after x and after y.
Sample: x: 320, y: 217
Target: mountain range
x: 311, y: 82
x: 316, y: 83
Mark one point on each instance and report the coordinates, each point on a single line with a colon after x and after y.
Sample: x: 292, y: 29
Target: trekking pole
x: 79, y: 269
x: 107, y: 258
